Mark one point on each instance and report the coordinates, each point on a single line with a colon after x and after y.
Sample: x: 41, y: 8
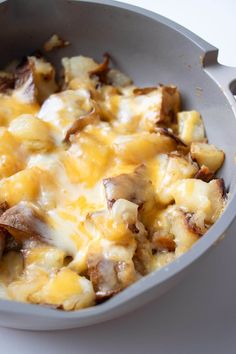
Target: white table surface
x: 199, y: 315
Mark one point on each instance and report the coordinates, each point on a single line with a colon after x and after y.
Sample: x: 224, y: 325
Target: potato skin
x: 207, y: 155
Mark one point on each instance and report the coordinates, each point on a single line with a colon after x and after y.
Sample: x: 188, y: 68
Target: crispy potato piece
x: 35, y: 80
x: 23, y: 221
x: 204, y: 174
x: 194, y: 194
x: 77, y: 72
x: 110, y: 275
x: 217, y: 195
x: 170, y: 101
x: 69, y: 111
x: 134, y: 187
x: 169, y: 169
x: 137, y: 110
x: 143, y: 254
x: 116, y: 78
x: 174, y: 231
x: 55, y: 42
x: 184, y: 234
x: 190, y: 127
x: 207, y: 155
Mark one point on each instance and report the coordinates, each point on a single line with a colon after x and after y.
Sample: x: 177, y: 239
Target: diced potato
x: 194, y: 195
x: 63, y: 109
x: 137, y: 148
x: 110, y: 267
x: 76, y: 71
x: 66, y: 290
x: 118, y: 79
x: 55, y: 42
x: 35, y: 80
x: 142, y: 109
x: 23, y: 185
x: 102, y: 225
x: 32, y: 132
x: 134, y: 187
x: 184, y: 236
x: 124, y: 210
x: 207, y: 155
x: 217, y: 196
x: 173, y: 232
x: 191, y: 127
x: 169, y: 169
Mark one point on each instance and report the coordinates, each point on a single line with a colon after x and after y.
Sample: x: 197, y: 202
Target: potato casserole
x: 101, y: 181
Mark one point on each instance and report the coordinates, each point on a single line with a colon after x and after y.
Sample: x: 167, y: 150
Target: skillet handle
x: 225, y: 76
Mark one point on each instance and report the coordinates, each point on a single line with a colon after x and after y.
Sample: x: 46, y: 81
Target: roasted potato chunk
x: 194, y: 194
x: 68, y: 112
x: 77, y: 72
x: 207, y: 155
x: 35, y: 80
x: 134, y: 187
x: 23, y: 221
x: 170, y: 168
x: 173, y: 231
x: 190, y: 126
x: 110, y: 274
x: 141, y: 109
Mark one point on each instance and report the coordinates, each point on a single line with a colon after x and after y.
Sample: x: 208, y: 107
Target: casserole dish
x: 174, y: 55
